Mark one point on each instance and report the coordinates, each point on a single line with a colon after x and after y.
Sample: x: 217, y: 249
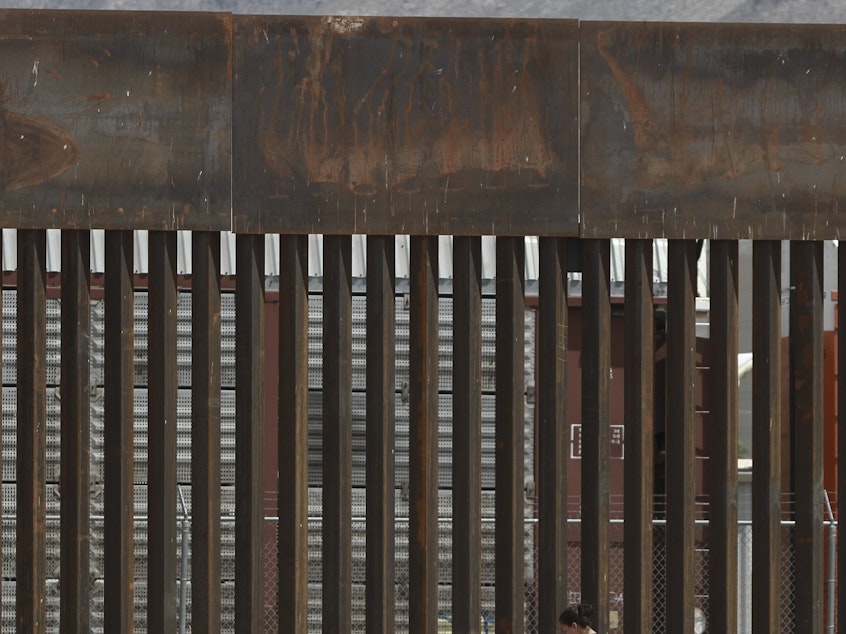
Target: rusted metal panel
x: 423, y: 438
x: 681, y: 491
x: 639, y: 390
x: 31, y: 526
x: 552, y: 429
x: 806, y: 401
x: 596, y: 434
x: 766, y: 444
x: 380, y: 594
x: 712, y: 130
x: 293, y: 435
x: 467, y: 434
x: 115, y: 120
x: 205, y: 432
x: 510, y: 434
x: 249, y: 434
x: 722, y: 441
x: 337, y: 433
x: 161, y: 432
x: 118, y: 433
x: 405, y: 125
x: 74, y: 479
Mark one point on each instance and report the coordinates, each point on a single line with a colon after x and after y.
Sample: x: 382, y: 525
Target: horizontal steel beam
x: 115, y: 120
x: 422, y: 126
x: 412, y: 125
x: 712, y: 130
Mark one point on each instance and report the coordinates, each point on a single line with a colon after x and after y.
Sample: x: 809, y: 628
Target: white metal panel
x: 140, y: 251
x: 359, y: 256
x: 10, y: 250
x: 183, y: 252
x: 315, y: 256
x: 98, y: 251
x: 659, y: 260
x: 227, y: 253
x: 488, y: 257
x: 403, y: 256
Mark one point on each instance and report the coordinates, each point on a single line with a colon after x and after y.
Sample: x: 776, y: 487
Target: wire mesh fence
x: 616, y: 599
x: 574, y: 561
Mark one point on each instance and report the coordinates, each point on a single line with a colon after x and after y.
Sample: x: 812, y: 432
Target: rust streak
x: 642, y: 120
x: 32, y: 150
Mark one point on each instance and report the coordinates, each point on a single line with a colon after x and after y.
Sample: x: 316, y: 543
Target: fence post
x: 831, y: 579
x: 249, y: 433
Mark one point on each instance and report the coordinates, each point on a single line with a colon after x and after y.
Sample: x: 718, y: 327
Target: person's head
x: 576, y: 618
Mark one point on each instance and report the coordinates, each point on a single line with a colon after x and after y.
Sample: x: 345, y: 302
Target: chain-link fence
x: 616, y: 565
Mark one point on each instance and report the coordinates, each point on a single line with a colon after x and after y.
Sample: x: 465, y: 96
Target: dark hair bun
x: 585, y: 611
x: 577, y: 614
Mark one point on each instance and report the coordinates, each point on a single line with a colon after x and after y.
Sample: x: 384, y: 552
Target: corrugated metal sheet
x: 9, y: 404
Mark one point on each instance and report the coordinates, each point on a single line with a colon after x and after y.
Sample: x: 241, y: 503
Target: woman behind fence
x: 576, y: 618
